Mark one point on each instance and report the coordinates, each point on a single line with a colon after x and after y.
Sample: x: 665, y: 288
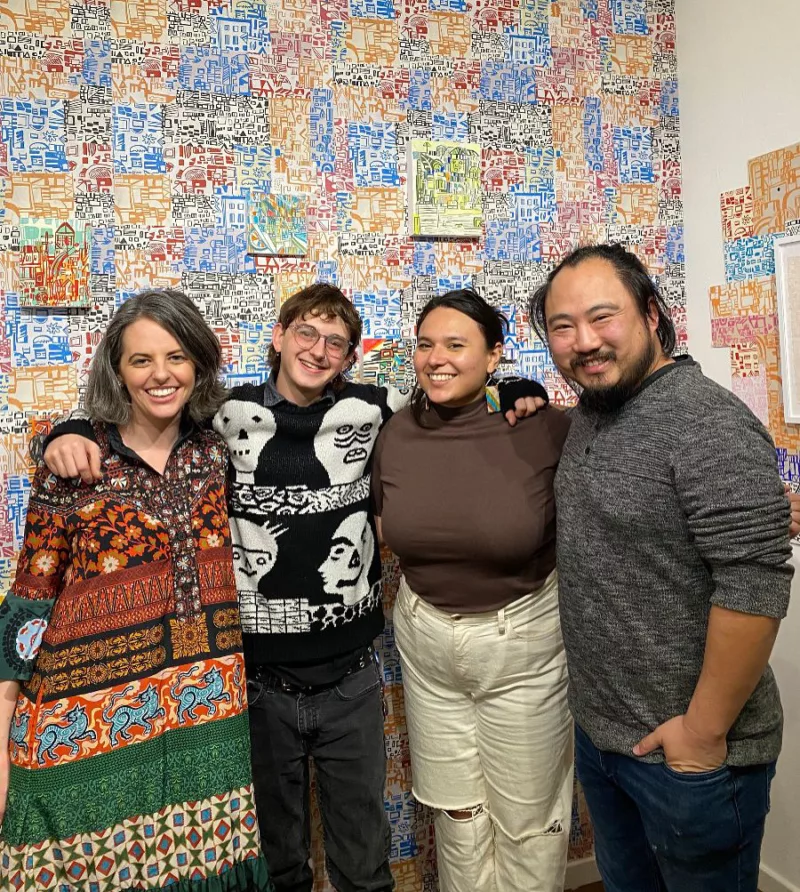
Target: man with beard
x: 672, y: 559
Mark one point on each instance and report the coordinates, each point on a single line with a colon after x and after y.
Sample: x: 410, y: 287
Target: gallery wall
x: 740, y: 117
x: 155, y: 124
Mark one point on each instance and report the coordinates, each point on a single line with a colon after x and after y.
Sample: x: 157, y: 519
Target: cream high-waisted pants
x: 490, y: 734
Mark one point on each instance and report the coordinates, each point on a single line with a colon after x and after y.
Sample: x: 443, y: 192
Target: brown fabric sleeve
x: 376, y: 484
x: 558, y: 424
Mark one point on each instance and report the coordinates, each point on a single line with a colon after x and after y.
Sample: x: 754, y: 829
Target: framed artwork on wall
x: 277, y: 225
x: 787, y: 281
x: 54, y: 263
x: 444, y: 188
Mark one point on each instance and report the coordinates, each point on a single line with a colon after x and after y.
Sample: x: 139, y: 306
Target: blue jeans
x: 659, y: 830
x: 341, y: 729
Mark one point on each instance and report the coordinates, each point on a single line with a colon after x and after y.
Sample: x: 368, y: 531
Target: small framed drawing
x: 444, y: 188
x: 277, y: 225
x: 787, y: 280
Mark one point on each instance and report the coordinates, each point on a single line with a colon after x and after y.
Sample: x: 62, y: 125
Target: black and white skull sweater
x: 306, y: 553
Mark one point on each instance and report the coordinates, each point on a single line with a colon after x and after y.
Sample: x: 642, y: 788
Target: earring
x: 492, y: 394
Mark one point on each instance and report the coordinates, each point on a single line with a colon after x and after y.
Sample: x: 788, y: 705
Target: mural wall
x: 151, y: 127
x: 743, y: 310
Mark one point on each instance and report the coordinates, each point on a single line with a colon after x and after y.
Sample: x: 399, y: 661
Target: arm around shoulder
x: 72, y: 451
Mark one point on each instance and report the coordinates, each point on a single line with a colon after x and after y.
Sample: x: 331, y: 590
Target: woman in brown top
x: 466, y: 503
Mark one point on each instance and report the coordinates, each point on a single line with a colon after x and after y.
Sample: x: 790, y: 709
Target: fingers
x: 511, y: 416
x: 528, y: 405
x: 647, y: 744
x: 84, y: 464
x: 73, y: 458
x: 70, y: 466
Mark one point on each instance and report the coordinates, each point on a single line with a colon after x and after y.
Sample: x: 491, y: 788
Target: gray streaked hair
x: 106, y: 397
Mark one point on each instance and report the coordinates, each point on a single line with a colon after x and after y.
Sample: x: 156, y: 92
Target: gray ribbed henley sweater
x: 668, y: 506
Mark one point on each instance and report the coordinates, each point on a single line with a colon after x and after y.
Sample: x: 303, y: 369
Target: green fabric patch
x: 22, y: 624
x: 183, y: 765
x: 246, y: 876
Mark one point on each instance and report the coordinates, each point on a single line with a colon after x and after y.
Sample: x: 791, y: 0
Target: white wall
x: 740, y: 97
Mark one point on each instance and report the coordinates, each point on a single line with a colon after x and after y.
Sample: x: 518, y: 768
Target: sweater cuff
x: 80, y: 426
x: 512, y: 389
x: 758, y: 590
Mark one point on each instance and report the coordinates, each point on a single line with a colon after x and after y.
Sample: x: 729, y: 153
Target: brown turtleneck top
x: 467, y: 504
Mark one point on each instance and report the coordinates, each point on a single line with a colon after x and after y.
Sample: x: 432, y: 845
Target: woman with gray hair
x: 124, y: 746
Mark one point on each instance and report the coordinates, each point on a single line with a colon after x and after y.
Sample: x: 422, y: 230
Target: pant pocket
x: 255, y: 692
x: 696, y: 816
x: 358, y: 684
x: 695, y: 777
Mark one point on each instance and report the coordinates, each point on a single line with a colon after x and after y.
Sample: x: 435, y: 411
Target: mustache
x: 593, y: 359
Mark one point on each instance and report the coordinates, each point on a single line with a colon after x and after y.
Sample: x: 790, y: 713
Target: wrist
x: 707, y: 728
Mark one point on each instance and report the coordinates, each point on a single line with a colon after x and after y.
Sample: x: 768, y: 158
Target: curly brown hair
x: 325, y: 301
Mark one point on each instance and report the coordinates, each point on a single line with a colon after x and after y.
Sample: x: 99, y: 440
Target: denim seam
x: 323, y: 810
x: 767, y: 782
x: 258, y: 696
x: 735, y: 782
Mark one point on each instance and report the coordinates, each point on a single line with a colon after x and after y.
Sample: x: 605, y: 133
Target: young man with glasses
x: 308, y: 572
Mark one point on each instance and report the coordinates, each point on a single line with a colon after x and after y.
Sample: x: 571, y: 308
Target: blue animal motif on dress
x: 54, y: 734
x: 124, y: 717
x: 194, y: 695
x: 19, y: 730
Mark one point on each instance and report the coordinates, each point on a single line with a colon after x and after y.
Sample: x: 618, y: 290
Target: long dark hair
x: 491, y: 321
x: 633, y: 275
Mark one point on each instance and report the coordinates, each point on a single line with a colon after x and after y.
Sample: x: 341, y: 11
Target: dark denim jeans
x: 342, y: 730
x: 659, y: 830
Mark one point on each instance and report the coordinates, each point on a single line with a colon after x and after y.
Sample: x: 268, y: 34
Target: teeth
x: 162, y: 391
x: 441, y: 377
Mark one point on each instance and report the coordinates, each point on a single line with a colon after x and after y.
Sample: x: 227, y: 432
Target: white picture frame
x: 787, y: 287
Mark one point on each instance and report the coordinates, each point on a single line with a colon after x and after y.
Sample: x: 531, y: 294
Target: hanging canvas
x: 54, y: 263
x: 444, y: 185
x: 787, y: 281
x: 277, y: 225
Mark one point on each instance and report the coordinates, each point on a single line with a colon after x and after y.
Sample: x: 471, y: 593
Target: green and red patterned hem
x: 209, y: 845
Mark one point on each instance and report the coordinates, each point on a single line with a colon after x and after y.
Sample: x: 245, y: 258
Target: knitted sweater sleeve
x: 728, y: 485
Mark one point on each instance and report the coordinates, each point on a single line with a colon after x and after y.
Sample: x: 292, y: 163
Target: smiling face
x: 598, y: 336
x: 157, y: 373
x: 305, y: 372
x: 452, y: 359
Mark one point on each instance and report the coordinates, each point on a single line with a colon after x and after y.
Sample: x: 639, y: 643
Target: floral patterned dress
x: 130, y: 761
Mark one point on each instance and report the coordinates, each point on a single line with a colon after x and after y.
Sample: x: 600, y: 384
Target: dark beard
x: 612, y: 398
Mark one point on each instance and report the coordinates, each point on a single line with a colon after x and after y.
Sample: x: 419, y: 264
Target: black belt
x: 267, y: 676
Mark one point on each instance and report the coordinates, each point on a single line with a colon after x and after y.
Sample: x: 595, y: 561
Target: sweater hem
x: 271, y: 650
x: 741, y: 753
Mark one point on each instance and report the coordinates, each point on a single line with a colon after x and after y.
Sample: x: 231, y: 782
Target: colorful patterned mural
x: 743, y: 309
x: 155, y: 124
